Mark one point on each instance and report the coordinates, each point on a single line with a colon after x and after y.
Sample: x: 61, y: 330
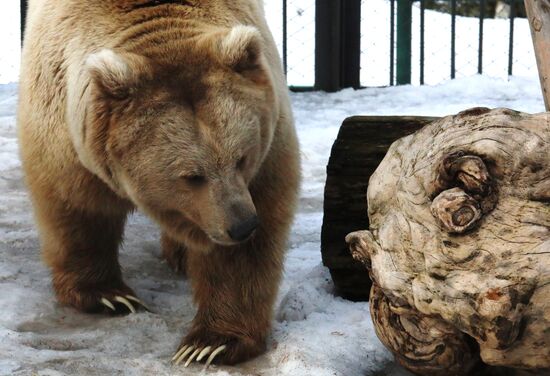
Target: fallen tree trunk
x: 360, y: 146
x: 459, y: 244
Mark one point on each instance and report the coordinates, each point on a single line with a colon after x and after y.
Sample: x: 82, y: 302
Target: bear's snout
x: 242, y: 230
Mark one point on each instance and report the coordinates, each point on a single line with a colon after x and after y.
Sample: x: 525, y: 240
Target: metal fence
x: 401, y: 41
x: 433, y: 46
x: 332, y: 44
x: 293, y: 26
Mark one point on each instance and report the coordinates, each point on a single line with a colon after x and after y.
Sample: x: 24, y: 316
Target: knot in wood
x: 537, y: 23
x: 456, y: 211
x: 463, y: 216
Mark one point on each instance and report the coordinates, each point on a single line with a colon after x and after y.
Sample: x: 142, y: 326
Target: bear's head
x: 181, y: 129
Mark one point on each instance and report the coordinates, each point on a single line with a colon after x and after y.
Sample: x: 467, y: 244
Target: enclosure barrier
x: 338, y: 40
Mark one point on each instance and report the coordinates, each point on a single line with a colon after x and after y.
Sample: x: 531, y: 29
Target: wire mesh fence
x: 292, y: 23
x: 10, y: 43
x: 458, y: 38
x: 446, y: 43
x: 449, y: 39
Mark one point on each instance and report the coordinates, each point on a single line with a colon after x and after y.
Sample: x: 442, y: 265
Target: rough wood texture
x: 459, y: 244
x: 360, y: 146
x: 538, y: 12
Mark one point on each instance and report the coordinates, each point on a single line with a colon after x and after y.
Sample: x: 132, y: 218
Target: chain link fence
x: 292, y: 23
x: 10, y: 43
x: 449, y: 39
x: 458, y: 39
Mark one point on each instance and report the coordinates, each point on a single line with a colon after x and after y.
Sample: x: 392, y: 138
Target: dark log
x: 360, y: 146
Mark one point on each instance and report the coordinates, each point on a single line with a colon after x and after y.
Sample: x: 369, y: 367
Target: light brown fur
x: 178, y: 108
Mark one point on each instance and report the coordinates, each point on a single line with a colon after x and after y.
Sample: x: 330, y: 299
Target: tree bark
x: 538, y: 12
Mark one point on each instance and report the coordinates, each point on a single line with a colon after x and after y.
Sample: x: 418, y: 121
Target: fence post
x: 404, y: 37
x: 351, y: 44
x: 480, y: 39
x: 539, y: 19
x: 327, y: 45
x: 453, y: 39
x: 511, y: 38
x: 337, y: 44
x: 23, y: 5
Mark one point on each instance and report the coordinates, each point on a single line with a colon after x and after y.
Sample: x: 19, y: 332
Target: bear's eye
x: 241, y: 162
x: 195, y: 179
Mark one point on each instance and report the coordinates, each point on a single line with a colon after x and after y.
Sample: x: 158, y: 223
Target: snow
x: 314, y: 333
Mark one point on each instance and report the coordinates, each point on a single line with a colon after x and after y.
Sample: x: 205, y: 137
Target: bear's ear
x: 240, y: 48
x: 116, y: 74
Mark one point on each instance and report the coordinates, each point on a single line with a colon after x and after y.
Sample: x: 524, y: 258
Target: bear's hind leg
x: 82, y: 250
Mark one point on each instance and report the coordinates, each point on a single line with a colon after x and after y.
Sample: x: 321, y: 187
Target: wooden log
x: 459, y: 244
x: 538, y: 12
x: 361, y: 145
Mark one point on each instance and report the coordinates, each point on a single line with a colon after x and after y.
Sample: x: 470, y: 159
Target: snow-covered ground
x: 315, y: 333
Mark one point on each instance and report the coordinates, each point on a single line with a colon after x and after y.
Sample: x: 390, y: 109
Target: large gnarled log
x: 459, y: 244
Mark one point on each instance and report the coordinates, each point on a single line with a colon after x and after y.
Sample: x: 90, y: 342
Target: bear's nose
x: 242, y: 231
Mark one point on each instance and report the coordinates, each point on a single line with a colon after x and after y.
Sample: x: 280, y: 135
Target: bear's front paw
x: 97, y: 299
x: 203, y: 345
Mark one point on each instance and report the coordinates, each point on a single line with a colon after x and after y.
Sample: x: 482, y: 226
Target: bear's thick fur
x: 178, y: 108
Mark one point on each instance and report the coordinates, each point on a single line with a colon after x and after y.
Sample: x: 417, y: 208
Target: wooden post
x: 538, y: 12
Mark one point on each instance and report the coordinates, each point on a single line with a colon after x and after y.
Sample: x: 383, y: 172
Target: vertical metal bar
x: 285, y: 37
x: 480, y: 47
x: 392, y: 42
x: 328, y: 38
x: 422, y: 11
x: 511, y: 39
x: 404, y: 37
x: 453, y: 38
x: 350, y: 44
x: 23, y: 11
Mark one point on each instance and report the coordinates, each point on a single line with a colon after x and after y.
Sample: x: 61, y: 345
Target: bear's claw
x: 138, y: 301
x: 198, y: 353
x: 125, y: 300
x: 213, y: 355
x: 203, y: 353
x: 108, y: 304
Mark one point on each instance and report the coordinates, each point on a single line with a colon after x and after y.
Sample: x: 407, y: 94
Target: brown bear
x: 178, y: 108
